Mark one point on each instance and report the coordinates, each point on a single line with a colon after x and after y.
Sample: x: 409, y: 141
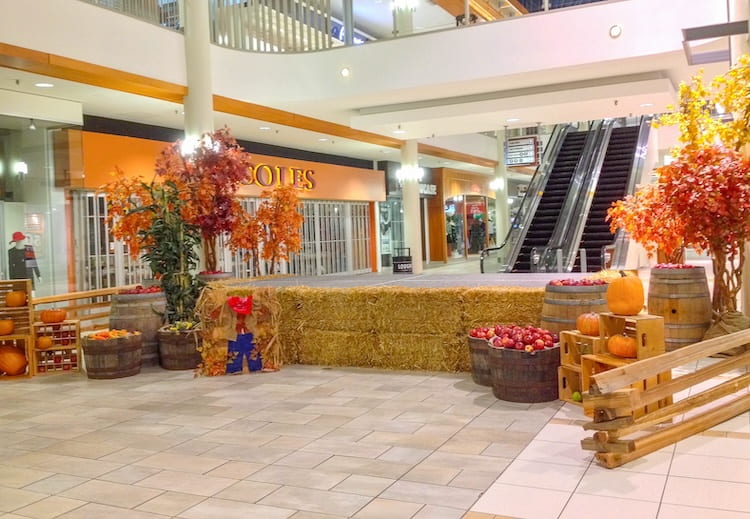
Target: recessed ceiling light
x: 323, y: 139
x: 399, y: 131
x: 512, y: 120
x: 264, y: 128
x: 615, y: 31
x: 345, y: 72
x: 646, y: 105
x: 385, y: 151
x: 43, y: 85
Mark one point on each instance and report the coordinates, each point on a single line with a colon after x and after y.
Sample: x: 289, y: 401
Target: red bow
x: 241, y: 305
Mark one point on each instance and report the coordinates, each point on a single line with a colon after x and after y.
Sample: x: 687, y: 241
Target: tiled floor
x: 316, y: 443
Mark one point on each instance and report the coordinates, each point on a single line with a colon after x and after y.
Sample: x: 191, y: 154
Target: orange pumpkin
x: 588, y: 323
x: 15, y: 298
x: 622, y: 346
x: 12, y: 360
x: 54, y: 315
x: 625, y: 295
x: 6, y: 326
x: 44, y: 342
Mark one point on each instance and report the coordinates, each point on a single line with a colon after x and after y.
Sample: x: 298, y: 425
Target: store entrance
x: 467, y: 225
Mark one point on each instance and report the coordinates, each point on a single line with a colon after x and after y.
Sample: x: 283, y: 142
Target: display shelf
x: 573, y: 344
x: 647, y: 330
x: 64, y: 353
x: 20, y: 315
x: 23, y: 343
x: 569, y: 380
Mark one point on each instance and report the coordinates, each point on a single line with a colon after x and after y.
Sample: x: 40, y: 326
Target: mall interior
x: 425, y: 127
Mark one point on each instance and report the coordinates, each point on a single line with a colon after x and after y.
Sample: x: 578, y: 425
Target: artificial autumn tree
x: 212, y: 172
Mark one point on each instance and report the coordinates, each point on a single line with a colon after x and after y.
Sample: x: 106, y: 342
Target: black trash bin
x: 401, y: 261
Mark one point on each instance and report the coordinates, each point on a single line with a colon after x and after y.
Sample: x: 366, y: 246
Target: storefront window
x: 32, y: 208
x: 391, y: 229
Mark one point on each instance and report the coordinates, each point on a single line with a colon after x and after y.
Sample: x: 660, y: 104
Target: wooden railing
x: 91, y: 307
x: 613, y: 401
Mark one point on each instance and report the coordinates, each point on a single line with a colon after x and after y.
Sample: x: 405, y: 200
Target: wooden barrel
x: 563, y: 304
x: 518, y: 376
x: 178, y: 350
x: 480, y: 367
x: 144, y: 313
x: 113, y: 358
x: 682, y: 298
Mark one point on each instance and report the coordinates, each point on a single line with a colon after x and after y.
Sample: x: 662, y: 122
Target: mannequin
x: 22, y: 260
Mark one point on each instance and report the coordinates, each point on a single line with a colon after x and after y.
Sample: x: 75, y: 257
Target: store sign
x: 266, y: 175
x: 521, y: 151
x: 427, y: 189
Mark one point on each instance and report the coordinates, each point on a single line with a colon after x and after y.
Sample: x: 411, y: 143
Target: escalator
x: 548, y: 211
x: 612, y: 185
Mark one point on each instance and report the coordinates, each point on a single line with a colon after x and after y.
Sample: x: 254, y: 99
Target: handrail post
x: 584, y: 265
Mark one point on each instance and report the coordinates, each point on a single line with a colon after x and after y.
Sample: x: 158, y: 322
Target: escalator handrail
x: 531, y: 198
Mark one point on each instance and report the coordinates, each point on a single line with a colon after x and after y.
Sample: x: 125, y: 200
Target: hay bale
x: 337, y: 348
x: 339, y: 309
x: 422, y: 352
x: 502, y: 305
x: 403, y: 310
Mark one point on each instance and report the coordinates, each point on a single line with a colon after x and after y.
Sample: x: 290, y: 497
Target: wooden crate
x: 648, y: 331
x: 568, y: 382
x: 20, y: 315
x: 65, y: 353
x: 22, y: 342
x: 598, y: 363
x: 573, y: 344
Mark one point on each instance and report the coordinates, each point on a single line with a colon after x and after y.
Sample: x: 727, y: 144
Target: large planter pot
x: 480, y: 367
x: 563, y: 304
x: 520, y: 376
x: 214, y: 276
x: 144, y: 313
x: 113, y: 358
x: 682, y: 298
x: 179, y: 349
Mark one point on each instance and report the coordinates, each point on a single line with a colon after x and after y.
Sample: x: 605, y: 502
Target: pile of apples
x: 140, y: 290
x: 673, y: 266
x: 577, y: 282
x: 516, y: 337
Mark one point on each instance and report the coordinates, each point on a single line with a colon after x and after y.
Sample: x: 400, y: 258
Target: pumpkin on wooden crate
x: 588, y: 323
x: 6, y: 326
x: 12, y: 360
x: 44, y: 342
x: 622, y: 346
x: 625, y: 295
x: 53, y: 315
x: 15, y: 298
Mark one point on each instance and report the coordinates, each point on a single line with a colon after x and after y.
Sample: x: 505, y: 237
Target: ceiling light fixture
x: 409, y: 173
x: 646, y: 105
x: 615, y: 31
x: 32, y: 126
x: 323, y: 139
x: 399, y: 131
x: 512, y: 120
x: 264, y: 128
x: 345, y: 72
x: 43, y: 85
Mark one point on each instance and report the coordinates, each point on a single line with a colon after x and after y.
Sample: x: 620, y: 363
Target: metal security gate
x: 335, y: 240
x: 99, y: 260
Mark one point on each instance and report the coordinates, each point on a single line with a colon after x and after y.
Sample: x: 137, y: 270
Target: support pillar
x: 199, y: 104
x: 403, y: 21
x: 348, y: 23
x: 410, y: 204
x: 502, y: 212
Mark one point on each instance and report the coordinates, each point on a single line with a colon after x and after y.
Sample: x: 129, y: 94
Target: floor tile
x: 405, y: 454
x: 711, y: 446
x: 12, y: 498
x: 181, y: 462
x: 170, y: 503
x: 707, y: 494
x: 556, y: 452
x: 431, y: 474
x: 49, y: 507
x: 522, y: 502
x: 581, y: 505
x: 363, y: 485
x: 108, y: 493
x: 129, y: 474
x: 386, y: 508
x: 55, y: 484
x: 478, y: 480
x: 617, y: 483
x: 99, y: 511
x: 18, y: 477
x: 711, y: 467
x: 669, y: 511
x: 293, y: 476
x: 213, y: 508
x: 438, y: 512
x: 247, y: 491
x: 304, y: 460
x: 235, y: 470
x: 440, y: 495
x: 313, y: 515
x: 537, y: 474
x: 320, y: 501
x: 186, y: 483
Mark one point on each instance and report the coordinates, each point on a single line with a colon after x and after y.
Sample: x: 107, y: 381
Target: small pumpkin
x: 15, y: 298
x: 622, y: 346
x: 6, y: 326
x: 588, y: 323
x: 12, y: 360
x: 54, y: 315
x: 625, y: 295
x: 44, y: 342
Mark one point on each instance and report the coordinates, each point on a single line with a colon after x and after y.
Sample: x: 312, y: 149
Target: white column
x: 410, y: 202
x: 502, y: 213
x: 403, y: 21
x: 199, y: 104
x: 738, y: 45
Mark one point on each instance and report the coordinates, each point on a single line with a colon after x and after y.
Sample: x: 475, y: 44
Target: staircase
x: 548, y: 211
x: 612, y: 186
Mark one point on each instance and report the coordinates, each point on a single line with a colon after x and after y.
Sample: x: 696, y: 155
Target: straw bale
x: 337, y: 348
x: 336, y: 309
x: 403, y: 310
x: 502, y: 305
x: 422, y: 352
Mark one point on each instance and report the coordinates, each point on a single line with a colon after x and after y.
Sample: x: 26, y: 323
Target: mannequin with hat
x: 22, y: 260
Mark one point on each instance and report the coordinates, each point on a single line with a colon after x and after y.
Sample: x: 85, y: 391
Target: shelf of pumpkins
x: 605, y: 340
x: 15, y: 328
x: 57, y: 345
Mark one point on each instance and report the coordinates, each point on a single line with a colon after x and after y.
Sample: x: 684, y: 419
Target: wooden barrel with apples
x: 522, y: 376
x: 144, y: 312
x: 564, y: 303
x: 681, y: 297
x: 480, y: 366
